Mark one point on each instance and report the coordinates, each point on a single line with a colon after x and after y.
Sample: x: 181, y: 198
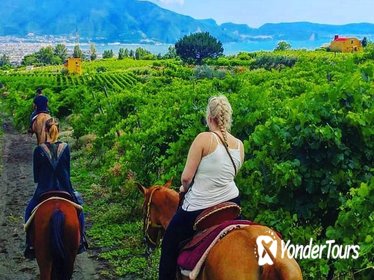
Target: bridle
x: 148, y: 224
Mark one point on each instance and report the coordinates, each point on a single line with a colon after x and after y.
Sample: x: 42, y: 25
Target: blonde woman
x: 207, y: 179
x: 51, y: 167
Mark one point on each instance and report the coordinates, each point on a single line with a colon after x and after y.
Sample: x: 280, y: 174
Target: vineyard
x: 305, y: 117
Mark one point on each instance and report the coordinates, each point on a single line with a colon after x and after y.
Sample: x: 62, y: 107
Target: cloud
x: 171, y: 2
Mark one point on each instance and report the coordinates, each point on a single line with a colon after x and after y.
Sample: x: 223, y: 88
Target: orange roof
x: 341, y: 39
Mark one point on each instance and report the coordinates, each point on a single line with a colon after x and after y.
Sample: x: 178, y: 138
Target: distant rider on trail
x: 40, y: 105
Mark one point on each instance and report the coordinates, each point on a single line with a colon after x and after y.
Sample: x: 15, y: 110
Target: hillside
x: 133, y: 21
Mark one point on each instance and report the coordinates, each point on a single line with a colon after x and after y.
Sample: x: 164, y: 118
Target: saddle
x: 62, y: 194
x: 212, y: 225
x: 48, y: 196
x: 217, y: 214
x: 36, y: 116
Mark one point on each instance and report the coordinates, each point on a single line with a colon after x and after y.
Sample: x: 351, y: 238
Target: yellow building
x: 73, y: 65
x: 344, y: 44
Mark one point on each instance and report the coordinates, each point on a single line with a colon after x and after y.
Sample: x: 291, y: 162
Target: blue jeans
x: 178, y: 230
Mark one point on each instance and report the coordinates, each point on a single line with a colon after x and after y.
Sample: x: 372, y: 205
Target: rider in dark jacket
x: 51, y: 166
x: 40, y: 105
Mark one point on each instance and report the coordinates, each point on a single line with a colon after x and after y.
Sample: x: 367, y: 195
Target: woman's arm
x: 193, y: 160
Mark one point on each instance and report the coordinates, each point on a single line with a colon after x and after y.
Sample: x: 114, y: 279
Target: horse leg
x: 42, y: 253
x: 71, y: 233
x: 233, y: 257
x: 72, y: 240
x: 44, y: 262
x: 45, y: 273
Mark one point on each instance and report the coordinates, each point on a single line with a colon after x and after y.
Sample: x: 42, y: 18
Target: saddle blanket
x: 28, y: 222
x: 34, y: 117
x: 192, y: 256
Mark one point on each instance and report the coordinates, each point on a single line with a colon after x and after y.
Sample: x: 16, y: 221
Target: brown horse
x: 38, y: 127
x: 233, y: 257
x: 55, y: 232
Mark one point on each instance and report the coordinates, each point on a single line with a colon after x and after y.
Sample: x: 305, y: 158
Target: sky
x: 255, y: 13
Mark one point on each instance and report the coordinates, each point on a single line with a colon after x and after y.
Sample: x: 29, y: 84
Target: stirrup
x: 83, y: 246
x: 29, y: 253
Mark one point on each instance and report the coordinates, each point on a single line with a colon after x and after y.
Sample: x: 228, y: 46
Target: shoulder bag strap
x: 227, y: 150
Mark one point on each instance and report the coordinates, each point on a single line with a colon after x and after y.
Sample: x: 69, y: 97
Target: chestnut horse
x: 55, y: 232
x: 38, y: 127
x: 233, y: 257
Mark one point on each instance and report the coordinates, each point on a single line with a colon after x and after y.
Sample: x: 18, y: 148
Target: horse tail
x: 289, y: 269
x: 59, y: 255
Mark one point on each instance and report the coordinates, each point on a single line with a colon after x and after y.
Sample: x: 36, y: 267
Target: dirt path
x: 16, y: 188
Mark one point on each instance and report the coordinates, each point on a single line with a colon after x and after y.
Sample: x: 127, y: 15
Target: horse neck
x: 167, y: 206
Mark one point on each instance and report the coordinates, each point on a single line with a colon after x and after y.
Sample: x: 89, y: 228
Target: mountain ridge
x: 133, y: 21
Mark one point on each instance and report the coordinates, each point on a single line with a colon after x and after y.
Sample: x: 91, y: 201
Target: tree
x: 121, y: 53
x: 108, y: 54
x: 282, y: 46
x: 141, y: 53
x: 29, y: 59
x: 93, y: 54
x: 364, y: 42
x: 4, y: 60
x: 198, y: 46
x: 77, y: 53
x: 61, y: 51
x: 171, y: 53
x: 127, y: 54
x: 131, y: 54
x: 46, y: 55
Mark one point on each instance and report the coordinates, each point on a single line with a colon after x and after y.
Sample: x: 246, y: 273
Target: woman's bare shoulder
x: 202, y: 138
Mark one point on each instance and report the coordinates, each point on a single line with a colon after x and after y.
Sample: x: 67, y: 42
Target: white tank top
x: 214, y: 179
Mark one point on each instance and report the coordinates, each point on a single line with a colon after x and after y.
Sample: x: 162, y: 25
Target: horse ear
x: 142, y: 189
x: 168, y: 183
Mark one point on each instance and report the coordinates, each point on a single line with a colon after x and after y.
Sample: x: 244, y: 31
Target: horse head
x: 160, y: 204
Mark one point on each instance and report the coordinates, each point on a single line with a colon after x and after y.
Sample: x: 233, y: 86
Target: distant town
x: 17, y: 47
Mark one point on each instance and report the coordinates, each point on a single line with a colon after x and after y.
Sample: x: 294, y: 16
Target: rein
x: 147, y: 223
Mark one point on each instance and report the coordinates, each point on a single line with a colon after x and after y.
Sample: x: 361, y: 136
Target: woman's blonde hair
x: 52, y: 128
x: 219, y: 109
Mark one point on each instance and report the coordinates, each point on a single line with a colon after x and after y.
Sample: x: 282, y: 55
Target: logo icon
x: 263, y: 249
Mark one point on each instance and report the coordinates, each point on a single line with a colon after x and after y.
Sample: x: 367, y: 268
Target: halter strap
x: 147, y: 220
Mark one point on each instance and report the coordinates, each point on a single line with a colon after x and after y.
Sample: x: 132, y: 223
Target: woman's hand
x: 182, y: 189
